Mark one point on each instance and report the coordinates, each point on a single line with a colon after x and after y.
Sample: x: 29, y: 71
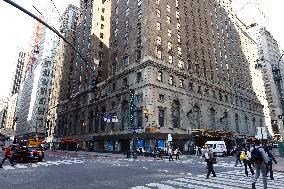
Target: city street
x: 69, y: 170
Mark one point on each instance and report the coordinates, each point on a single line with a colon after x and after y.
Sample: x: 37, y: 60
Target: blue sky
x: 16, y: 27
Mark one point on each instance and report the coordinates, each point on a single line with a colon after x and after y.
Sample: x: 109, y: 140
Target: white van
x: 218, y: 147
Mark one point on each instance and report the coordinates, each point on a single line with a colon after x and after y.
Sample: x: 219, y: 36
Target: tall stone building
x: 92, y: 40
x: 175, y: 67
x: 254, y: 15
x: 32, y: 107
x: 19, y: 73
x: 63, y: 67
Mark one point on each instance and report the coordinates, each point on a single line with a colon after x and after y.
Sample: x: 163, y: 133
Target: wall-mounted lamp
x: 146, y: 113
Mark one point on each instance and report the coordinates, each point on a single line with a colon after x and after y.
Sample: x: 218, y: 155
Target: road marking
x: 7, y: 167
x: 20, y: 166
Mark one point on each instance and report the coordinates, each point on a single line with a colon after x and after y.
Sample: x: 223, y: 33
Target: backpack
x: 256, y: 156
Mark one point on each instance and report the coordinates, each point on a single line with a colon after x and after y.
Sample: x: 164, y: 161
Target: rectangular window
x: 160, y: 76
x: 126, y: 23
x: 168, y: 8
x: 179, y: 50
x: 181, y: 64
x: 161, y: 117
x: 161, y: 97
x: 170, y: 46
x: 170, y: 59
x: 159, y: 40
x: 179, y: 38
x: 181, y: 83
x: 159, y: 54
x: 169, y: 32
x: 158, y: 13
x: 158, y: 26
x: 178, y: 26
x: 127, y: 11
x: 177, y: 14
x: 171, y: 80
x: 113, y: 87
x: 125, y: 60
x: 138, y: 77
x: 169, y: 20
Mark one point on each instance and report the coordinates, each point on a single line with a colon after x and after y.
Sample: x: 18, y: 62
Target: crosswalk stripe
x: 230, y: 180
x: 140, y: 187
x: 20, y: 166
x: 162, y: 186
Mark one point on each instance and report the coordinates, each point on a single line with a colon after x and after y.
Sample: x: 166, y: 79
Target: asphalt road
x: 72, y: 171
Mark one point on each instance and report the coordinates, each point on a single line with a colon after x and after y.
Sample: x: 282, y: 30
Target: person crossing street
x: 259, y: 162
x: 7, y: 155
x: 245, y: 157
x: 208, y: 155
x: 271, y: 159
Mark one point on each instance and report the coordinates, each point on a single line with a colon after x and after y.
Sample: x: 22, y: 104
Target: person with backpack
x: 245, y: 157
x: 259, y: 162
x: 8, y: 155
x: 270, y: 163
x: 208, y: 155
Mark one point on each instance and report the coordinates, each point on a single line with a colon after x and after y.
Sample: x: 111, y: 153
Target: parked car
x: 24, y: 154
x: 218, y: 147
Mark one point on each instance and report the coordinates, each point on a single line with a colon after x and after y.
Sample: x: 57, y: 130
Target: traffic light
x: 92, y: 84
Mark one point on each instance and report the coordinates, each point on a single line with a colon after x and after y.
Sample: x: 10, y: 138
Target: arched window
x: 212, y: 118
x: 253, y: 126
x: 196, y: 114
x: 237, y: 123
x: 225, y: 121
x: 176, y: 114
x: 102, y: 122
x: 246, y: 124
x: 124, y: 115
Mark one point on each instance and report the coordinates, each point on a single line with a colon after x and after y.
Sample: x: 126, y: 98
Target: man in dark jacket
x: 269, y: 165
x: 7, y: 155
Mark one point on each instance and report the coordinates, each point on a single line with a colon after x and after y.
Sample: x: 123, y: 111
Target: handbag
x: 213, y: 160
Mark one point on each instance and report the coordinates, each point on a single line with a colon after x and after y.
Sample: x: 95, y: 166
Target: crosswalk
x: 43, y: 164
x: 230, y: 180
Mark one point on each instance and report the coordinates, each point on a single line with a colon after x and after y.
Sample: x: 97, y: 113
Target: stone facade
x: 184, y: 61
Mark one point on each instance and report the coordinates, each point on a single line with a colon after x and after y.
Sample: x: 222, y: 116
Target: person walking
x: 245, y: 157
x: 270, y: 163
x: 7, y: 155
x: 170, y: 152
x: 177, y: 152
x: 238, y: 160
x: 259, y: 162
x: 208, y: 155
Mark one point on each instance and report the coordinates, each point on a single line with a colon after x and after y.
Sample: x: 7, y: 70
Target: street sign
x: 261, y: 133
x: 170, y: 137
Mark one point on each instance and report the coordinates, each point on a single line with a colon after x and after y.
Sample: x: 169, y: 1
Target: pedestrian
x: 245, y: 157
x: 196, y: 151
x: 170, y: 152
x: 270, y: 163
x: 177, y: 152
x: 7, y: 155
x: 77, y: 147
x: 208, y: 155
x: 259, y: 162
x: 237, y: 154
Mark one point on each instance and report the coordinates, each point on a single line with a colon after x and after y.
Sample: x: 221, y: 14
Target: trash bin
x: 281, y: 148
